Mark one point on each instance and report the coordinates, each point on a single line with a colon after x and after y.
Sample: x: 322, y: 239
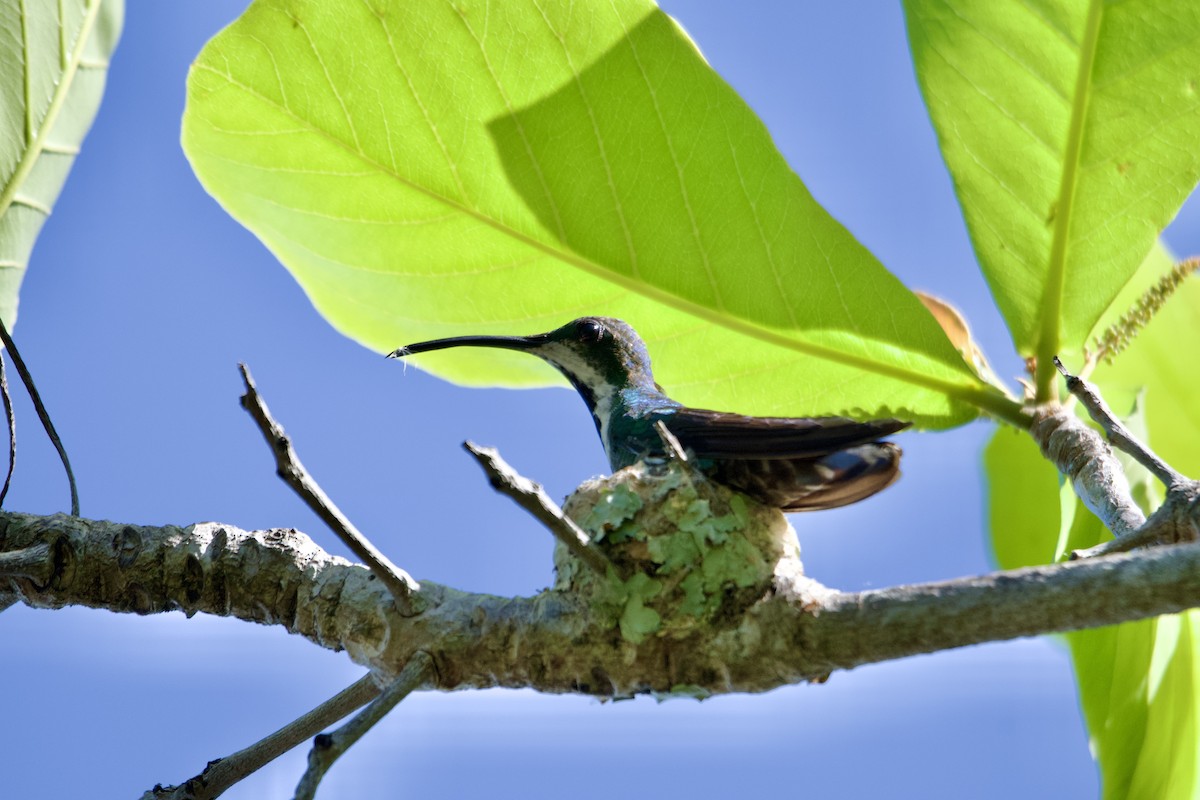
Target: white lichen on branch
x: 1100, y: 482
x: 1089, y: 463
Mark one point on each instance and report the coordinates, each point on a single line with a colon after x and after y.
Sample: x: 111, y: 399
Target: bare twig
x: 670, y: 442
x: 402, y: 586
x: 11, y: 419
x: 43, y: 415
x: 533, y: 498
x: 327, y: 748
x: 1176, y: 520
x: 223, y: 773
x: 1117, y: 433
x: 1146, y: 535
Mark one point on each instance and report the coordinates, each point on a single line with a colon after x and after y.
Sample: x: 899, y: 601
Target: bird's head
x: 599, y: 355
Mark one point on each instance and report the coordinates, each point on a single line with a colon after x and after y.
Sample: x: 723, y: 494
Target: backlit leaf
x: 439, y: 168
x: 1072, y: 131
x: 54, y: 59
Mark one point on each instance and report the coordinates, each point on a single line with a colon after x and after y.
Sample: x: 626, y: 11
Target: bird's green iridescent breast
x: 629, y: 433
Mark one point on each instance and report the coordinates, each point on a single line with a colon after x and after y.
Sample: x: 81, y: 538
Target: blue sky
x: 142, y: 297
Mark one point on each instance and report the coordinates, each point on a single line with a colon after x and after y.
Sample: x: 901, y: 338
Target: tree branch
x: 42, y: 413
x: 1099, y: 479
x: 11, y: 419
x: 1088, y: 462
x: 555, y: 642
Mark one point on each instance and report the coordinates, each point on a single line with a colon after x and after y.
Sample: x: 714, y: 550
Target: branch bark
x: 554, y: 642
x: 1099, y: 480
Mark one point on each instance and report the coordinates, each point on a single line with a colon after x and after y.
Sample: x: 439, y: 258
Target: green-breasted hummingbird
x: 793, y: 463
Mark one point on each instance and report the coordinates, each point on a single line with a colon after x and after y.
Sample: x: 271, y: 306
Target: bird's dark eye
x: 589, y: 331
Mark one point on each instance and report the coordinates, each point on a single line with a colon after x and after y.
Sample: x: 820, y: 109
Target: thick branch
x: 555, y: 643
x: 906, y: 620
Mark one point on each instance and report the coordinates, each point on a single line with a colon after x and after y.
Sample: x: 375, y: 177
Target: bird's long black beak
x: 504, y: 342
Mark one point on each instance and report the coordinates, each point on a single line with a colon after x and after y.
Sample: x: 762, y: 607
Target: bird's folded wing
x: 717, y: 434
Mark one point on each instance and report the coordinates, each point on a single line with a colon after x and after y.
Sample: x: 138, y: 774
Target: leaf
x: 1158, y: 262
x: 440, y: 168
x: 54, y: 56
x: 1138, y: 690
x: 954, y: 324
x: 1137, y: 686
x: 1137, y: 681
x: 1023, y: 500
x: 1140, y: 686
x: 1072, y: 132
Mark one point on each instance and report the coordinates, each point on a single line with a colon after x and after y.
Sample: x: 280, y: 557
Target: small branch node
x: 533, y: 498
x: 402, y: 586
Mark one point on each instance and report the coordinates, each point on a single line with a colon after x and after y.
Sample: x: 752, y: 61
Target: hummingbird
x: 792, y: 463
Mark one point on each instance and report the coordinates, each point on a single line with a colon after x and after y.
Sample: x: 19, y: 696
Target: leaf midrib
x: 1049, y: 341
x: 973, y: 394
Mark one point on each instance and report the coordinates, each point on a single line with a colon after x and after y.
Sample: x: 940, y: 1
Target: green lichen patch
x: 610, y: 512
x: 685, y: 551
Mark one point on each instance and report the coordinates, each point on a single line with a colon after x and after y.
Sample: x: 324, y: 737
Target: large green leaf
x: 1137, y: 687
x: 435, y: 168
x: 1138, y: 682
x: 1159, y: 261
x: 53, y: 59
x: 1023, y: 511
x: 1072, y: 131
